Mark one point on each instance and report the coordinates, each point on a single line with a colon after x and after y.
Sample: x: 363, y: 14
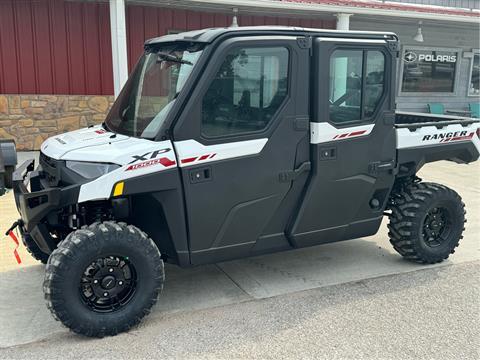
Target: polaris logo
x: 437, y: 58
x: 410, y: 57
x: 455, y: 134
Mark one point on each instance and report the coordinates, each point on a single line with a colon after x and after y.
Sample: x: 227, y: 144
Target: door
x: 239, y: 140
x: 352, y: 140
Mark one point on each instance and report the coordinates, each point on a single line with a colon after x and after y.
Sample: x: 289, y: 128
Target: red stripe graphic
x: 188, y: 160
x: 458, y: 138
x: 356, y: 133
x: 197, y: 158
x: 352, y: 134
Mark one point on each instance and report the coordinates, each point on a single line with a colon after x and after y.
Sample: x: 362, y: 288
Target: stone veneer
x: 30, y: 119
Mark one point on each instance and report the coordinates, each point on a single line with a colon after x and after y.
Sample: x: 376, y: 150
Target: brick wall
x: 30, y: 119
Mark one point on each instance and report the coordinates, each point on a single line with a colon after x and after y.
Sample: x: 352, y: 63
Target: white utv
x: 227, y: 143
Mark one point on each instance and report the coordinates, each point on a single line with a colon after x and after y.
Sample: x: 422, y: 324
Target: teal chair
x: 474, y: 110
x: 436, y: 108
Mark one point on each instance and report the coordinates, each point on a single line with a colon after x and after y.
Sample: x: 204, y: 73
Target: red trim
x: 203, y: 157
x: 188, y: 160
x: 167, y: 162
x: 352, y: 134
x: 459, y: 138
x: 356, y: 133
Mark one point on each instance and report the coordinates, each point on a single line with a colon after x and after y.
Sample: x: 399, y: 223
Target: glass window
x: 246, y: 92
x: 474, y: 88
x: 350, y: 99
x: 374, y: 81
x: 429, y: 71
x: 150, y: 92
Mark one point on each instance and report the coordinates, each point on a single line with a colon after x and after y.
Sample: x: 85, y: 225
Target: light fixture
x: 234, y: 19
x: 419, y: 36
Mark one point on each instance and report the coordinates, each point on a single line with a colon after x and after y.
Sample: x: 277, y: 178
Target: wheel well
x: 148, y: 214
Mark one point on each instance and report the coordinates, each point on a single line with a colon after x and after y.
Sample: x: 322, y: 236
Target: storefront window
x: 474, y: 88
x: 429, y: 71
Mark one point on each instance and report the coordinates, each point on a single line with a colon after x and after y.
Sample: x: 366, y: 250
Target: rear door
x: 352, y: 140
x: 239, y: 140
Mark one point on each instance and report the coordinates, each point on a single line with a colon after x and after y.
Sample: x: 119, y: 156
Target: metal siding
x: 64, y: 47
x: 54, y: 46
x: 142, y: 22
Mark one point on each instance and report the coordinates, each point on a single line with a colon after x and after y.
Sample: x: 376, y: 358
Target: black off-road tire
x: 9, y: 176
x: 409, y: 218
x: 33, y: 249
x: 68, y: 264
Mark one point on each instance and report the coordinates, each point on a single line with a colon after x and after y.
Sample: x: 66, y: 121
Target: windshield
x: 151, y: 90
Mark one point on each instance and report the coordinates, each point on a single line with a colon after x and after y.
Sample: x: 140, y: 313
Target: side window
x: 355, y: 87
x: 346, y: 85
x: 374, y: 81
x: 246, y: 92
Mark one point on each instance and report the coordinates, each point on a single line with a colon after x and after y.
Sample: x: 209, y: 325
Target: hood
x: 59, y: 146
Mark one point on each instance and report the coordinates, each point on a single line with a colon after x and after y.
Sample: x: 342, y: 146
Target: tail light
x: 478, y: 132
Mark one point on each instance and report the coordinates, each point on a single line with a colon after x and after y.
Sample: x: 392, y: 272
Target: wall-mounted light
x: 419, y: 36
x: 234, y: 19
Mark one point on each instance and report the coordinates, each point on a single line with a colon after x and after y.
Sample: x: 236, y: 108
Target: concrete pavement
x: 233, y: 292
x: 428, y: 314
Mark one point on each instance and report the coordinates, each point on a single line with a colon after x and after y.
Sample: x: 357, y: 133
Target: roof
x: 208, y: 35
x: 386, y: 5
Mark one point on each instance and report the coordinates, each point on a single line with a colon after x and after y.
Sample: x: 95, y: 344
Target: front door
x: 238, y: 141
x: 353, y: 141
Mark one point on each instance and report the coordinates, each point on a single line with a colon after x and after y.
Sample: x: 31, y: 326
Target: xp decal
x: 164, y: 161
x: 153, y: 155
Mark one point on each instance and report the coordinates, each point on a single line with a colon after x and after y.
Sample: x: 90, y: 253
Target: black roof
x: 208, y: 35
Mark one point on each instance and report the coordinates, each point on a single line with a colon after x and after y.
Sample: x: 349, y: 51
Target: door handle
x: 200, y: 175
x: 292, y: 175
x: 378, y: 166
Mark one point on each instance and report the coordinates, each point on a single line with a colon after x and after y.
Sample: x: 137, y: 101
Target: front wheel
x: 33, y: 249
x: 427, y: 222
x: 103, y: 279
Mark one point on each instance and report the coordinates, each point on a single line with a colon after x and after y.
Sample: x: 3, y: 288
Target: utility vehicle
x: 232, y: 142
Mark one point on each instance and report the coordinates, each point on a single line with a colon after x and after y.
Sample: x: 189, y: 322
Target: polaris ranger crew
x: 233, y: 142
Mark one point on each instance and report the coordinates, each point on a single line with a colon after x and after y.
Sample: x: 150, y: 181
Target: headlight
x: 90, y: 170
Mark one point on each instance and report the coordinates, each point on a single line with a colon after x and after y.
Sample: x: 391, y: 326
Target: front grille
x: 44, y: 159
x: 50, y: 169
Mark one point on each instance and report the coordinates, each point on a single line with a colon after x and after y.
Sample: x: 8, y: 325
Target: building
x: 62, y: 61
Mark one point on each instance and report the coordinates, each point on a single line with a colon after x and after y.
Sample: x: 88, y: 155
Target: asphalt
x: 356, y: 299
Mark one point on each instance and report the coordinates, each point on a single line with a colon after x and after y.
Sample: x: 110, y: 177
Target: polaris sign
x: 411, y: 56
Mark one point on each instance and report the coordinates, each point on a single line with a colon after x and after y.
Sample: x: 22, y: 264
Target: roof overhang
x: 324, y: 8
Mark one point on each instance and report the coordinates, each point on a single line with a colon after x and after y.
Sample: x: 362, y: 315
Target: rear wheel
x: 427, y: 222
x: 103, y: 279
x: 33, y: 249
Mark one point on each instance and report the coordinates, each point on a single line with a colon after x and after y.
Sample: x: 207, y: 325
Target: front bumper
x: 39, y: 202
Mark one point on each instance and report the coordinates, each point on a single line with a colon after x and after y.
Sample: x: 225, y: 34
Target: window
x: 431, y: 71
x: 355, y: 90
x: 474, y: 87
x: 246, y: 92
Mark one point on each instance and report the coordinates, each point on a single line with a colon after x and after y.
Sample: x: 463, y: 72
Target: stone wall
x: 30, y: 119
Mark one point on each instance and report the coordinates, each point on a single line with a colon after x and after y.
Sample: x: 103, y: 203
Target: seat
x: 436, y: 108
x: 474, y: 110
